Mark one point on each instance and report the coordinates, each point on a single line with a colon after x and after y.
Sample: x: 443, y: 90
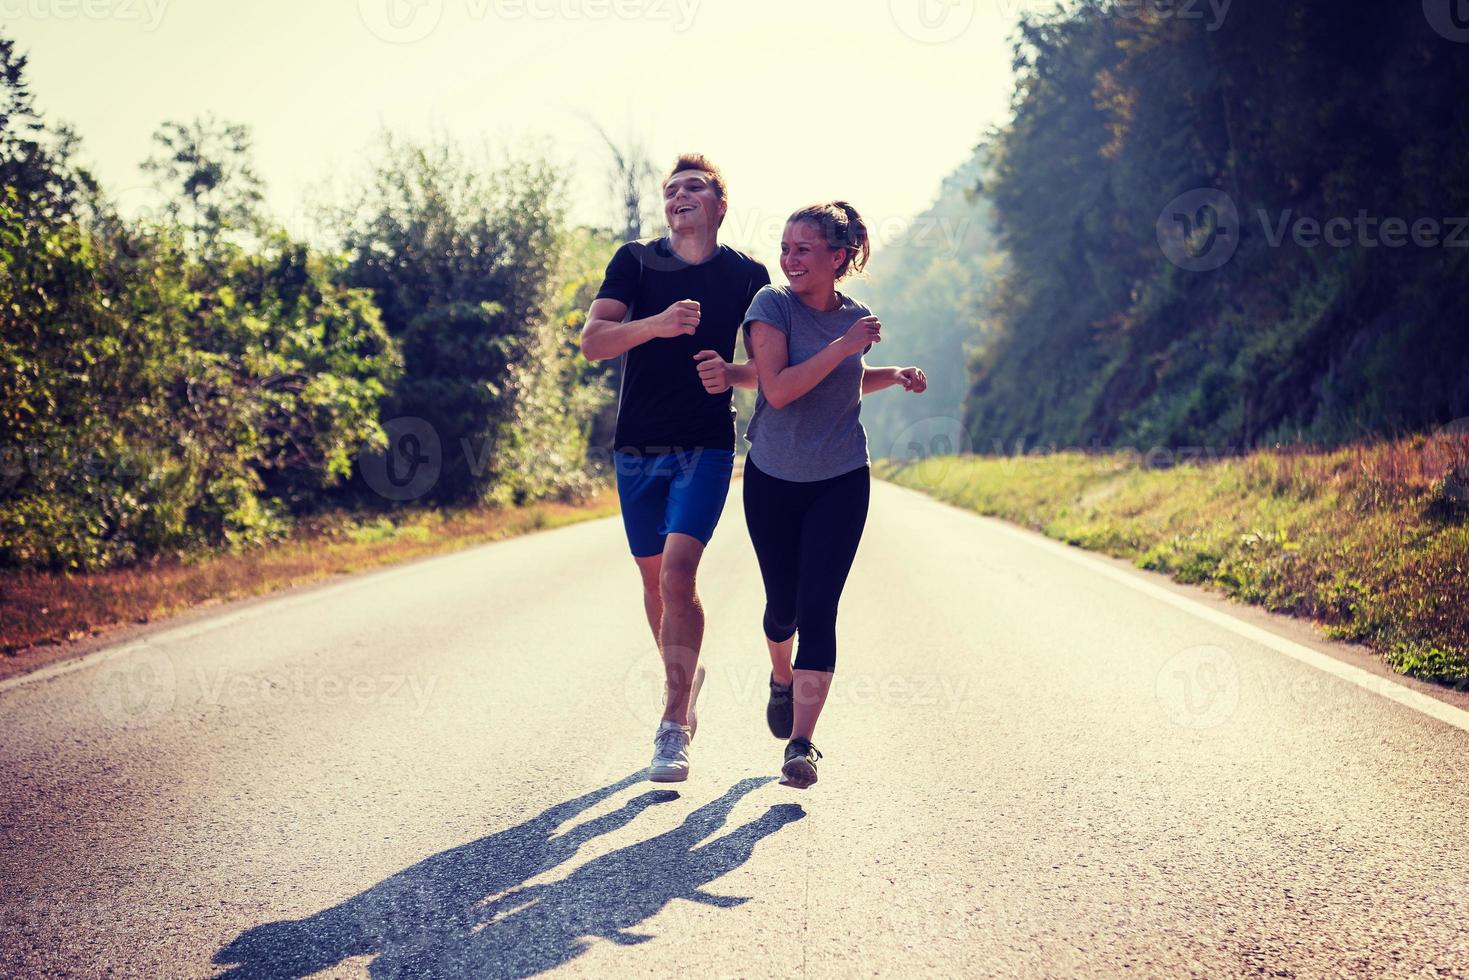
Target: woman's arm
x: 782, y: 383
x: 877, y: 378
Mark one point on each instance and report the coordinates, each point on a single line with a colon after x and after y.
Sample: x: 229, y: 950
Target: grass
x: 53, y: 607
x: 1370, y: 541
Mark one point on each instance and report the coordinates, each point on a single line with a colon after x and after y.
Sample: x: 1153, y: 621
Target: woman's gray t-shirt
x: 817, y: 436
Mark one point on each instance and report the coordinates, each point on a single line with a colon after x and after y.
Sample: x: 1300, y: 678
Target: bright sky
x: 874, y: 101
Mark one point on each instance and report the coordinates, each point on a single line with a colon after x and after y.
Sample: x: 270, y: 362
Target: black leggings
x: 805, y: 536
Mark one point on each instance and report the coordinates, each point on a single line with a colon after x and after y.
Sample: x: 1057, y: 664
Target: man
x: 671, y: 308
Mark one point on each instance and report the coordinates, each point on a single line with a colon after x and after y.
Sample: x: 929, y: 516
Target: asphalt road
x: 1032, y: 768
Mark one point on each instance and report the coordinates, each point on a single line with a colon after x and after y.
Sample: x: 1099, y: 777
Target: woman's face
x: 808, y: 262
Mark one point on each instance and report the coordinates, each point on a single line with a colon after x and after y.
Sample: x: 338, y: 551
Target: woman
x: 806, y: 475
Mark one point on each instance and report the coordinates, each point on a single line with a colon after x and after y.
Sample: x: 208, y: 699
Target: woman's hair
x: 842, y: 227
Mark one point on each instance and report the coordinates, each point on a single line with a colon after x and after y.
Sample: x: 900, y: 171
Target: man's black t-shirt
x: 663, y: 406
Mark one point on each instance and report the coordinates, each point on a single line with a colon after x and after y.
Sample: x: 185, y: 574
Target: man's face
x: 690, y: 202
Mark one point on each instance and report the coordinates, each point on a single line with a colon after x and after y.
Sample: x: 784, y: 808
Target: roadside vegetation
x: 1369, y: 541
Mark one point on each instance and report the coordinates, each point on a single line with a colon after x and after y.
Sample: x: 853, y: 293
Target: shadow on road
x: 462, y: 912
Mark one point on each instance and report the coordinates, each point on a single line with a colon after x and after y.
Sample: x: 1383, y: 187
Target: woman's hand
x: 867, y: 330
x: 913, y: 379
x: 715, y: 372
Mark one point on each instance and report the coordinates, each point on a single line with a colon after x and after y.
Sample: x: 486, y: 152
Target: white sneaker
x: 670, y: 754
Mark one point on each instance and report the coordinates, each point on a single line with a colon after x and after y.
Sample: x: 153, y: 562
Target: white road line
x: 178, y: 633
x: 1383, y: 686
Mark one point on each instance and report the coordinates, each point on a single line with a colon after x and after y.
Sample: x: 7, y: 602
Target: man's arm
x: 605, y: 335
x: 744, y: 375
x: 718, y: 375
x: 747, y: 375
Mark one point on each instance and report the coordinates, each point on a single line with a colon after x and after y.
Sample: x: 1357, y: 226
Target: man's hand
x: 912, y: 379
x: 678, y: 320
x: 714, y: 372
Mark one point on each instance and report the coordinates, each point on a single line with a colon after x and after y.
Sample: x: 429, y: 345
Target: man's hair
x: 697, y: 161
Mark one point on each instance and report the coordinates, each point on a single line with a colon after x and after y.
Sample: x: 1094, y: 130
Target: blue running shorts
x: 671, y: 493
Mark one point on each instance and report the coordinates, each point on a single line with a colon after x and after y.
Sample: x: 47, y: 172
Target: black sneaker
x: 800, y: 766
x: 779, y: 714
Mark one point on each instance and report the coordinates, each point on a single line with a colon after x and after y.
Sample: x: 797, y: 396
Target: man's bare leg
x: 651, y: 568
x: 681, y: 632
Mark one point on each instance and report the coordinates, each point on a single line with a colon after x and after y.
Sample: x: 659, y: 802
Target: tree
x: 1309, y: 112
x: 930, y: 287
x: 632, y: 181
x: 204, y: 172
x: 35, y: 161
x: 460, y: 255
